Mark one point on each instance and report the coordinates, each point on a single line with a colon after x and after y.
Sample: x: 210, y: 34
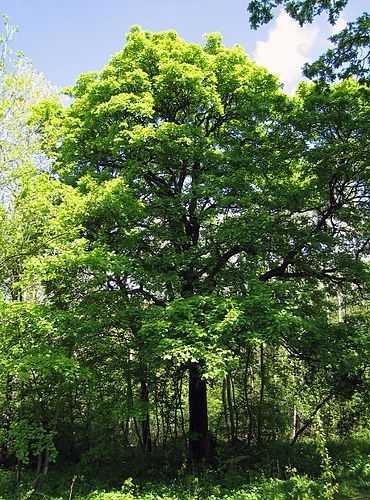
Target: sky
x: 65, y: 38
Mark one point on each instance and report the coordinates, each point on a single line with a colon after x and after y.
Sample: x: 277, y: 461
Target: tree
x: 163, y: 116
x: 27, y: 205
x: 213, y: 189
x: 350, y: 55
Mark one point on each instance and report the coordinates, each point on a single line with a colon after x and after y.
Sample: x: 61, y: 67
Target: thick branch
x: 280, y: 270
x: 149, y: 296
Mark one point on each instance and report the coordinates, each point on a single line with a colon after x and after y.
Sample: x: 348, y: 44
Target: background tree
x: 29, y: 404
x: 350, y: 55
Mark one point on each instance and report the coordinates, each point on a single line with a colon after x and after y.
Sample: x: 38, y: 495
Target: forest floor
x: 274, y: 472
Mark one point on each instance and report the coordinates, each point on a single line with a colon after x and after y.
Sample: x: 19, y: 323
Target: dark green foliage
x: 275, y: 472
x: 302, y: 10
x: 350, y: 55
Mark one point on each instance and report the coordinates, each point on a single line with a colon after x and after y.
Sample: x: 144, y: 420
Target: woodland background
x: 184, y: 273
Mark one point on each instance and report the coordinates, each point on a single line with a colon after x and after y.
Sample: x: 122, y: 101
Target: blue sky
x: 65, y: 38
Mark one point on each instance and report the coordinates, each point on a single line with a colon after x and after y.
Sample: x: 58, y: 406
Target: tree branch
x: 310, y: 420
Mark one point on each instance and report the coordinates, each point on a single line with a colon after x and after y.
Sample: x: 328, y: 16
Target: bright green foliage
x: 21, y: 88
x: 179, y: 125
x: 195, y: 217
x: 206, y: 194
x: 327, y: 475
x: 36, y: 363
x: 30, y: 365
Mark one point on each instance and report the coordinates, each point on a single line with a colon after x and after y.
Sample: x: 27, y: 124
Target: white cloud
x: 287, y: 48
x: 338, y: 26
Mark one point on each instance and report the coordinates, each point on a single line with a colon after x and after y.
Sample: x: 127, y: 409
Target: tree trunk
x: 294, y: 421
x: 246, y: 396
x: 4, y: 448
x: 262, y: 392
x: 182, y: 415
x: 145, y: 423
x: 199, y: 442
x: 42, y: 469
x: 233, y: 434
x: 224, y: 404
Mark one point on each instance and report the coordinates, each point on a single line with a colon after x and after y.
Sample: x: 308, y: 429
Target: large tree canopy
x: 211, y: 189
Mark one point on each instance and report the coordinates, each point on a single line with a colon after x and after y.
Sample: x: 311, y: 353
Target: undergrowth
x: 308, y: 471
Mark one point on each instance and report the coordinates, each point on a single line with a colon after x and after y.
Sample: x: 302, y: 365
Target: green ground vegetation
x: 277, y: 472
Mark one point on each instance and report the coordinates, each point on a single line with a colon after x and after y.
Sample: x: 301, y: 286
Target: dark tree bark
x: 246, y: 396
x: 262, y: 393
x: 199, y: 442
x: 145, y: 423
